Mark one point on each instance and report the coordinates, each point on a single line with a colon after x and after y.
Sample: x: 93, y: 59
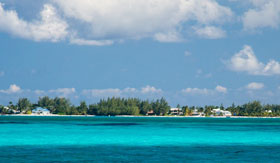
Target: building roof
x: 175, y: 109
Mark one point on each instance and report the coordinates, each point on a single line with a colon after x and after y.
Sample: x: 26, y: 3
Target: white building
x: 11, y: 111
x: 219, y: 112
x: 195, y: 113
x: 268, y: 111
x: 41, y: 111
x: 175, y: 111
x: 227, y: 113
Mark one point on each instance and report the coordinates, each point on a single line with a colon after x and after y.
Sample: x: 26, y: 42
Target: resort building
x: 175, y: 111
x: 11, y: 111
x: 41, y: 111
x: 195, y: 113
x: 219, y: 112
x: 268, y: 111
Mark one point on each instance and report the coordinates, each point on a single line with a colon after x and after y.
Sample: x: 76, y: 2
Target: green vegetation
x: 24, y: 105
x: 110, y: 106
x: 130, y: 106
x: 133, y: 106
x: 253, y: 109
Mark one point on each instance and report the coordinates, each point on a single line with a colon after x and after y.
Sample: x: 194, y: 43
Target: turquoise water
x: 138, y: 139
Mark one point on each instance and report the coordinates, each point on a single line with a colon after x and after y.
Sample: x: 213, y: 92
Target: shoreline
x: 56, y: 115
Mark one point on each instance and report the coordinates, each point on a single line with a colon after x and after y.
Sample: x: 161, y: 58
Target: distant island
x: 135, y: 107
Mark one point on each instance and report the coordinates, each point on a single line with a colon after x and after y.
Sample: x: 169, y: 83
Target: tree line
x: 109, y: 106
x: 134, y: 106
x: 253, y: 109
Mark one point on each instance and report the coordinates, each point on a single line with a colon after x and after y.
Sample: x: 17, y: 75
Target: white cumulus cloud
x: 12, y: 89
x: 255, y: 86
x: 116, y: 92
x: 204, y: 91
x: 80, y: 41
x: 150, y: 89
x: 99, y: 23
x: 265, y: 14
x: 210, y: 32
x: 246, y: 61
x: 221, y: 89
x: 50, y: 27
x: 134, y: 19
x: 168, y: 37
x: 63, y: 92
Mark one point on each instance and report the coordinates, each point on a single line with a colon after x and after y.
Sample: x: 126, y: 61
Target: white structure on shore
x: 11, y: 111
x: 196, y: 113
x: 219, y: 112
x: 268, y: 111
x: 41, y: 111
x: 176, y: 111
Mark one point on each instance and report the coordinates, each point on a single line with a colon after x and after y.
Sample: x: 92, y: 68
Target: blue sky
x: 192, y: 52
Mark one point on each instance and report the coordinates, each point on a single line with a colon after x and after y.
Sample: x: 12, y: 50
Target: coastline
x: 140, y: 116
x: 49, y: 115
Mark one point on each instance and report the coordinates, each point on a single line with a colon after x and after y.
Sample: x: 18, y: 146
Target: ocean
x: 138, y: 139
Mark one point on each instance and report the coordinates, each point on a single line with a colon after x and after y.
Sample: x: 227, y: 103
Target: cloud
x: 210, y: 32
x: 102, y: 92
x: 200, y: 73
x: 63, y: 92
x: 221, y: 89
x: 147, y: 91
x: 92, y: 22
x: 50, y: 28
x: 204, y: 91
x: 258, y: 3
x: 12, y: 89
x: 39, y: 92
x: 79, y: 41
x: 130, y: 90
x: 255, y: 86
x: 111, y: 92
x: 168, y: 37
x: 150, y: 89
x: 265, y: 14
x: 246, y: 61
x: 161, y: 20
